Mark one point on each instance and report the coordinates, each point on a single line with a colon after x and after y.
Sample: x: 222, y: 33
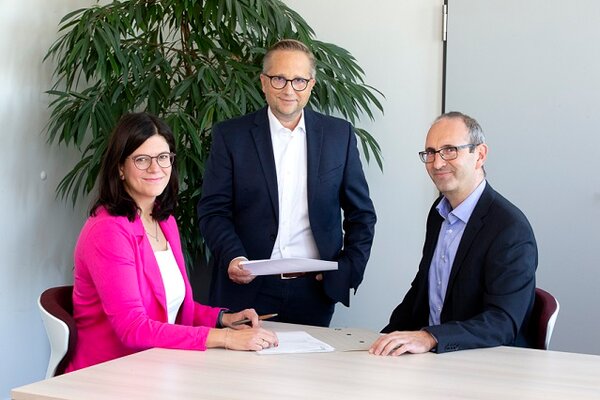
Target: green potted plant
x: 191, y: 62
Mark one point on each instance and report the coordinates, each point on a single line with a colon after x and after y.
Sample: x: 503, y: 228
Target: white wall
x: 38, y: 231
x: 398, y: 44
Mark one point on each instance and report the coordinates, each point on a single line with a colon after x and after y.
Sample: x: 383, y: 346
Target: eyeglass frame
x: 455, y: 149
x: 291, y: 81
x: 171, y: 160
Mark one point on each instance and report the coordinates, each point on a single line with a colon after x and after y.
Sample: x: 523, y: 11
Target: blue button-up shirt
x: 451, y: 232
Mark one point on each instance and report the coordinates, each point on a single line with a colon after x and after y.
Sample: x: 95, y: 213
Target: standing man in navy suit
x: 476, y: 282
x: 277, y: 184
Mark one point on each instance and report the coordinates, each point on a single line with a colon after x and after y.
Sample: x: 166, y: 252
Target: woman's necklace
x: 155, y: 236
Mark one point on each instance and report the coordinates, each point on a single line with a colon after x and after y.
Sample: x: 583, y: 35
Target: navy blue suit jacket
x: 238, y: 212
x: 491, y: 287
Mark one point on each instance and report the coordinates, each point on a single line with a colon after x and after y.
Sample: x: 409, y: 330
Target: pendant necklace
x: 155, y: 236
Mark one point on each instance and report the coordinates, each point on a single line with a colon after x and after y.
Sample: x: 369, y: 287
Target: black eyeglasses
x: 447, y: 152
x: 279, y: 82
x: 144, y: 161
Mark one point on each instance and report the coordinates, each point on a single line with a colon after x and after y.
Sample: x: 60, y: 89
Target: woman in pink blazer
x: 131, y: 291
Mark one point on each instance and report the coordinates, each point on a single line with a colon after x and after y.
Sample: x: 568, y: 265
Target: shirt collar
x: 276, y: 126
x: 464, y: 210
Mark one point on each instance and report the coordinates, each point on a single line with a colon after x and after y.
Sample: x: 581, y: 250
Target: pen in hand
x: 247, y: 320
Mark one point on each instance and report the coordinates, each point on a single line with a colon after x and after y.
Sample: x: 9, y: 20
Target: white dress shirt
x: 294, y: 236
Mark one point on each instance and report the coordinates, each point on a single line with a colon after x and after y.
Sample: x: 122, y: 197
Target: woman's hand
x: 254, y: 339
x: 249, y: 314
x: 250, y: 339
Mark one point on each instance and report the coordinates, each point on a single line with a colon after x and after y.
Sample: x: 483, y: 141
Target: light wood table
x: 496, y: 373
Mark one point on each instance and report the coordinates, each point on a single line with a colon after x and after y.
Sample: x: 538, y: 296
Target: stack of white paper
x: 286, y: 265
x: 297, y: 342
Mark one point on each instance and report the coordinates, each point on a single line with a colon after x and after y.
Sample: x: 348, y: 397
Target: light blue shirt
x: 449, y: 238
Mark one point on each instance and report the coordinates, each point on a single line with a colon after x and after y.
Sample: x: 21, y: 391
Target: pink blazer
x: 119, y: 300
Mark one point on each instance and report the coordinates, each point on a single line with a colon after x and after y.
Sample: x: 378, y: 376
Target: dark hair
x: 129, y: 134
x: 290, y: 45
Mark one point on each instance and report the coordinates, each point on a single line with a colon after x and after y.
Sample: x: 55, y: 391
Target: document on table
x: 297, y: 342
x: 287, y: 265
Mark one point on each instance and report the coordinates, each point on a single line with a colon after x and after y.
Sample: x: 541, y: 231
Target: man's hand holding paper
x: 237, y: 273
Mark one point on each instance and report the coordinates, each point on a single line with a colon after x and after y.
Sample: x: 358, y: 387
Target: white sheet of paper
x: 286, y: 265
x: 297, y: 342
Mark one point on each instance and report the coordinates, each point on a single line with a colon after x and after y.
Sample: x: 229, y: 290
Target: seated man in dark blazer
x: 475, y: 285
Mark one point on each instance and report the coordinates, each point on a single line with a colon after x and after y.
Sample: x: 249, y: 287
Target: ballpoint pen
x: 247, y: 320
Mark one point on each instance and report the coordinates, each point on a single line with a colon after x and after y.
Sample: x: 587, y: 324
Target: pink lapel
x: 169, y: 228
x: 150, y: 266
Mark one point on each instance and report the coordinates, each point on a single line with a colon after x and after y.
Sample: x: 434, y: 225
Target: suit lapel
x: 432, y: 231
x: 434, y: 224
x: 314, y: 145
x: 476, y: 222
x: 151, y: 270
x: 169, y: 230
x: 175, y: 244
x: 261, y: 134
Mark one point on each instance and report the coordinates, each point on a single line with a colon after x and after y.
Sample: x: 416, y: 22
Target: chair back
x: 543, y: 318
x: 56, y: 308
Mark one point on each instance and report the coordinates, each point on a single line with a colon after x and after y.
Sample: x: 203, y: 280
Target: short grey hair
x: 476, y: 135
x: 291, y: 45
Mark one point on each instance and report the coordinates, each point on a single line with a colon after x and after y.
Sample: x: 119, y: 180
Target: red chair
x: 56, y: 307
x: 543, y: 318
